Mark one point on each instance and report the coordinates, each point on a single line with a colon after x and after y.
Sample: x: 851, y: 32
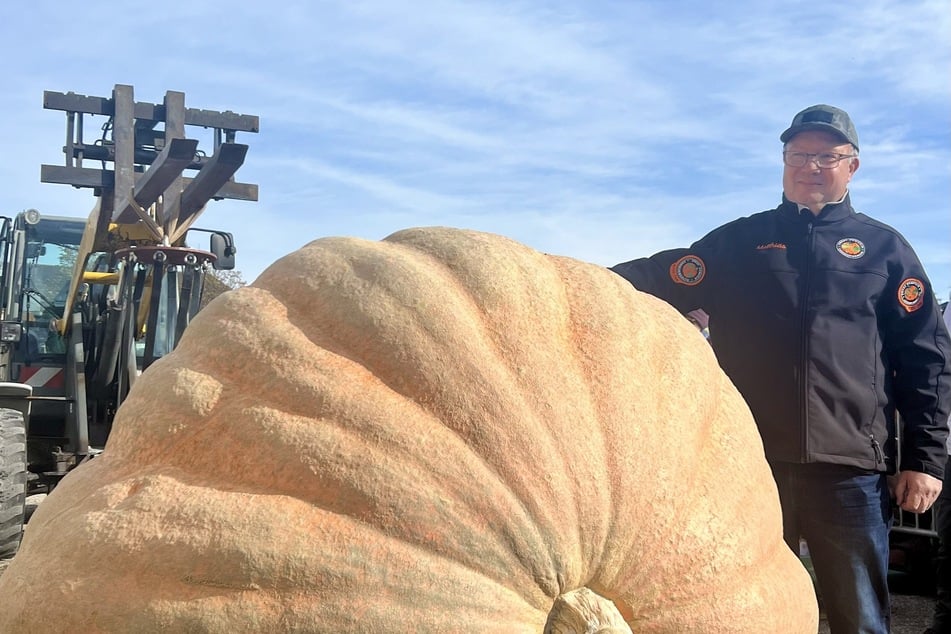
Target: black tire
x: 12, y: 480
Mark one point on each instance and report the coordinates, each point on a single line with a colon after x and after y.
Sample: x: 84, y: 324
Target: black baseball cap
x: 823, y: 117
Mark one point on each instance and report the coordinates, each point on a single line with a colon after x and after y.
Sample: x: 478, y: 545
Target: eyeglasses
x: 826, y: 160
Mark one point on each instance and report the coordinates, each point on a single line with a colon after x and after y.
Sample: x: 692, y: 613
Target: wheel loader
x: 88, y: 303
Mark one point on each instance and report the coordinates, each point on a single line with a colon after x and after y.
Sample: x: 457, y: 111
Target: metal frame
x: 147, y: 182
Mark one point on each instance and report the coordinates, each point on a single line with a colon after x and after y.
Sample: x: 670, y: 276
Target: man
x: 826, y: 323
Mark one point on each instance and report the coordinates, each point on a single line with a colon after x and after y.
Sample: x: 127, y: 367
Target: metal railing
x: 915, y: 523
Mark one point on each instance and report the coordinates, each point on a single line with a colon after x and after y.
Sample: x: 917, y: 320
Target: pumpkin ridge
x: 575, y: 282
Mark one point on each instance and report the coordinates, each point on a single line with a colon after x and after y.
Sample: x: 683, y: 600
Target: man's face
x: 811, y: 185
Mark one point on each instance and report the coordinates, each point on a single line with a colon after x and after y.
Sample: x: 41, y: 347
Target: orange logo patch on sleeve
x: 688, y: 270
x: 911, y: 294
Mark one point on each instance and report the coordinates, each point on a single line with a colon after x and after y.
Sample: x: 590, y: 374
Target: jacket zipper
x: 804, y: 343
x: 877, y: 448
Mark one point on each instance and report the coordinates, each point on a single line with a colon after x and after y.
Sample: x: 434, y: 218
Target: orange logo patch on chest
x: 851, y: 248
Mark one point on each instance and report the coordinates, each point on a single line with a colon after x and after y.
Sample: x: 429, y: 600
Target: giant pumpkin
x: 444, y: 431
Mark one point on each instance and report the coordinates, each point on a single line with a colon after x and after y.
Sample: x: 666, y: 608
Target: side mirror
x: 222, y: 245
x: 34, y: 250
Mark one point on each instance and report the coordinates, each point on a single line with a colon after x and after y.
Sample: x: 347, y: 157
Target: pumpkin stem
x: 583, y: 611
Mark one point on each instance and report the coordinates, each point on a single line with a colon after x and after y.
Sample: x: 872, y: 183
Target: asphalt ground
x: 913, y: 604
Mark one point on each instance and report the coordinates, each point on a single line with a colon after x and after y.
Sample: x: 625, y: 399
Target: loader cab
x: 39, y: 253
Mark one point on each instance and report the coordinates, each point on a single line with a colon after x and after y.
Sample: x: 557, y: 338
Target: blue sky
x: 601, y: 130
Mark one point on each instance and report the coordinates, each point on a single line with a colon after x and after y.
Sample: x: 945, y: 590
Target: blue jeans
x: 844, y: 515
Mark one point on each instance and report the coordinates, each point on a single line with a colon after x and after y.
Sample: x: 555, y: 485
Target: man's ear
x: 853, y: 165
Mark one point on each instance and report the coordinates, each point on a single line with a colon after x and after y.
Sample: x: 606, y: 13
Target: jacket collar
x: 830, y: 213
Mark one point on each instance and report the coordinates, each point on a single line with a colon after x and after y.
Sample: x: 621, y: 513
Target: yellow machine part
x: 117, y: 236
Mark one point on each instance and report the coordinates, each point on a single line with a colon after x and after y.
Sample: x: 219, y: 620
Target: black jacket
x: 826, y: 325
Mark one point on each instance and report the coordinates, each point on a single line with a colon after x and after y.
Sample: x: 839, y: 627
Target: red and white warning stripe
x: 39, y: 376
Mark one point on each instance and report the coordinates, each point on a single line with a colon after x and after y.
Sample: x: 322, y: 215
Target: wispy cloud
x: 601, y: 130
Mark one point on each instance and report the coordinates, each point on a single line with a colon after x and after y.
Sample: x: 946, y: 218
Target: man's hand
x: 916, y: 491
